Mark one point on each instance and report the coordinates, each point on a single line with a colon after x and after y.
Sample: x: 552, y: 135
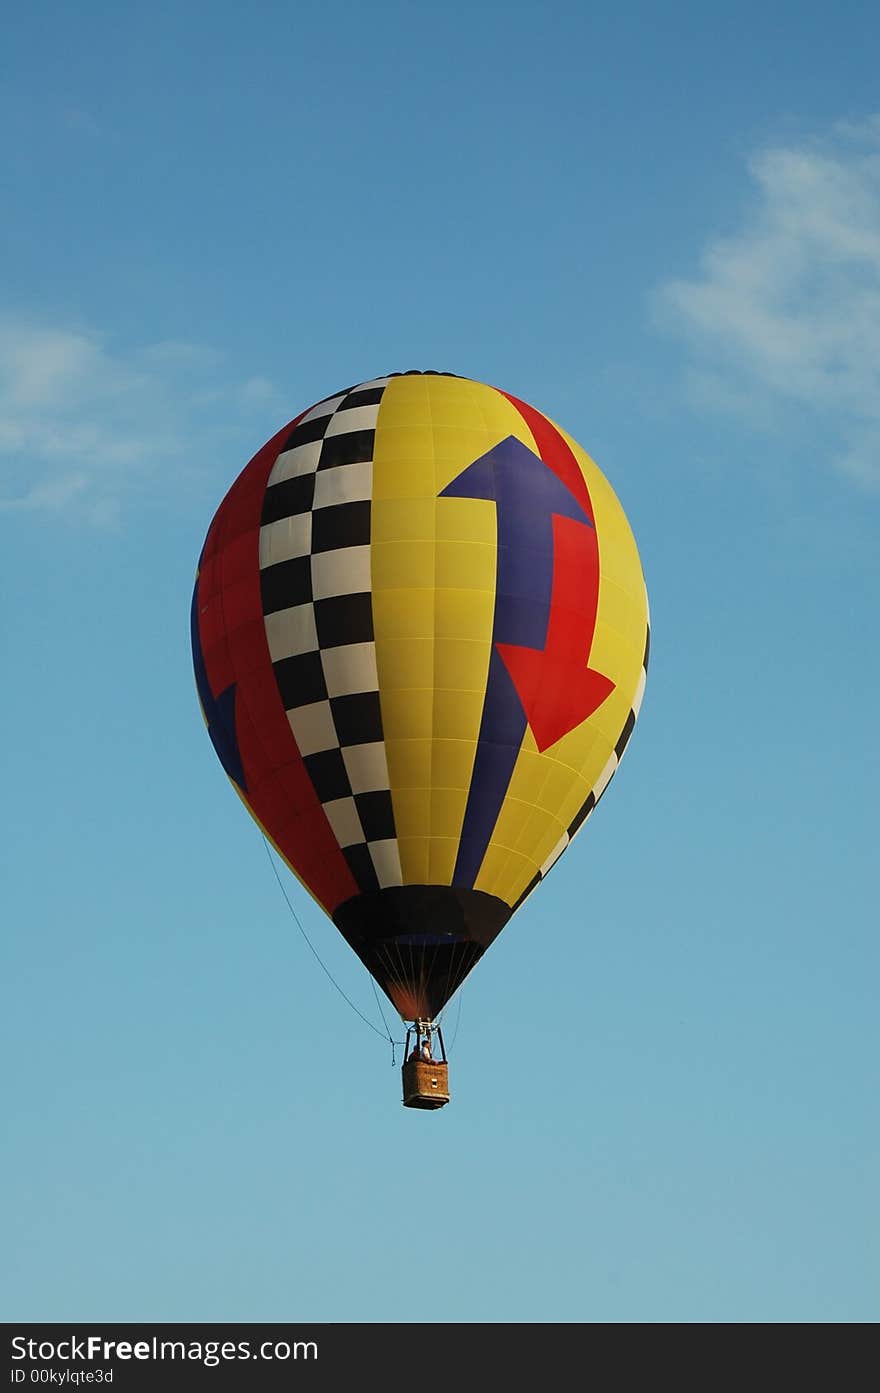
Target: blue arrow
x: 219, y: 711
x: 526, y: 493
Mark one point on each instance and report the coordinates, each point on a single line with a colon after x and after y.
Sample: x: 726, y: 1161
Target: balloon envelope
x: 420, y: 638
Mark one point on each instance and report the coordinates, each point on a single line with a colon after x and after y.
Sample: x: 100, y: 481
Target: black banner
x: 117, y: 1358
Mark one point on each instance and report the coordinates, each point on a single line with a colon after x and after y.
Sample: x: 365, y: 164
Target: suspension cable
x: 325, y: 969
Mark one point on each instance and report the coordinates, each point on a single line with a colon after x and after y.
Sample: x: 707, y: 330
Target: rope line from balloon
x: 460, y: 990
x: 384, y: 1022
x: 388, y: 1036
x: 457, y: 1021
x: 326, y: 970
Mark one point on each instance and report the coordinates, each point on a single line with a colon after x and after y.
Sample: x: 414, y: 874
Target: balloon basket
x: 425, y: 1084
x: 425, y: 1079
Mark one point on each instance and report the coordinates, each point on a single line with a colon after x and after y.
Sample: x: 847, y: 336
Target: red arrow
x: 557, y: 687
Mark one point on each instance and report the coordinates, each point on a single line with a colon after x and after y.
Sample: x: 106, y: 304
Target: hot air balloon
x: 420, y: 638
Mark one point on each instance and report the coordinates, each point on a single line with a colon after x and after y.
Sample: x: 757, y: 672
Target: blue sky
x: 660, y: 226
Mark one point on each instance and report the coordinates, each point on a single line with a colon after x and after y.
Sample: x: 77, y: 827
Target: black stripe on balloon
x: 423, y: 939
x: 287, y: 499
x: 352, y: 447
x: 300, y: 680
x: 365, y: 396
x: 357, y: 718
x: 286, y: 583
x: 436, y: 912
x: 582, y: 815
x: 344, y: 619
x: 345, y: 525
x: 329, y: 776
x: 360, y: 863
x: 376, y: 814
x: 627, y: 731
x: 535, y: 880
x: 307, y: 432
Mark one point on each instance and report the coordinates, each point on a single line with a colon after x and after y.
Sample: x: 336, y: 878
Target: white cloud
x: 789, y: 306
x: 52, y: 496
x: 259, y: 390
x: 84, y: 426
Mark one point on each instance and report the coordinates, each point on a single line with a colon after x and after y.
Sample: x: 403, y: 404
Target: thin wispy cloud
x: 786, y: 311
x: 84, y: 425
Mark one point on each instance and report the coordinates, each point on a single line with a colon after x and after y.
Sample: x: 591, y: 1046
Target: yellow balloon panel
x: 434, y: 568
x: 435, y: 571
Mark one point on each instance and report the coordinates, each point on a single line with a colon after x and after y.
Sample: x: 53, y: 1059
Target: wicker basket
x: 425, y: 1084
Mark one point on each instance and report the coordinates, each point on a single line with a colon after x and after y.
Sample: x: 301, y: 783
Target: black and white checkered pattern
x: 601, y: 784
x: 317, y: 606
